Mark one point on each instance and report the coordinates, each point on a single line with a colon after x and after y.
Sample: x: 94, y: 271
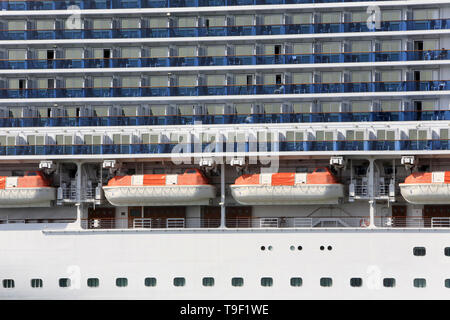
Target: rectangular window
x: 36, y: 283
x: 447, y: 283
x: 243, y: 50
x: 425, y: 14
x: 132, y: 23
x: 331, y: 17
x: 208, y: 282
x: 359, y: 16
x: 266, y: 282
x: 302, y: 107
x: 131, y: 52
x: 158, y: 81
x: 102, y: 82
x: 296, y: 282
x: 159, y: 52
x: 215, y: 80
x: 150, y: 282
x: 216, y: 51
x: 188, y: 81
x: 390, y: 105
x: 215, y: 21
x: 302, y: 78
x: 331, y: 77
x: 361, y: 76
x: 45, y: 25
x: 244, y: 20
x: 326, y: 282
x: 391, y: 45
x: 101, y: 24
x: 17, y: 25
x: 74, y: 82
x: 391, y: 76
x: 187, y: 22
x: 420, y: 283
x: 64, y: 282
x: 361, y: 106
x: 74, y: 53
x: 17, y: 54
x: 361, y: 46
x: 187, y: 51
x: 179, y: 282
x: 447, y: 249
x: 391, y: 15
x: 389, y: 282
x: 273, y: 19
x: 302, y: 18
x: 302, y: 48
x: 93, y: 282
x: 331, y: 47
x: 131, y: 82
x: 121, y: 282
x: 158, y: 22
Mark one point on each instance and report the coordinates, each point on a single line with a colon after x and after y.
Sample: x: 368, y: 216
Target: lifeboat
x: 189, y: 188
x: 289, y: 188
x: 427, y: 187
x: 31, y: 190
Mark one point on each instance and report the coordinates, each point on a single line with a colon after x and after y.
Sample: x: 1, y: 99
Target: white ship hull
x: 159, y: 195
x: 193, y: 254
x: 287, y: 195
x: 426, y: 193
x: 26, y: 197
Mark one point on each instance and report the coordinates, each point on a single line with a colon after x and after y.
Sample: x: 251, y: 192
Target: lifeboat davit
x: 189, y: 188
x: 427, y: 187
x: 31, y: 190
x: 289, y: 188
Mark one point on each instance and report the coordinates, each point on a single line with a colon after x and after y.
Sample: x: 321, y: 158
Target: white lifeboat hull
x: 27, y: 197
x: 426, y: 193
x: 301, y: 194
x: 159, y: 195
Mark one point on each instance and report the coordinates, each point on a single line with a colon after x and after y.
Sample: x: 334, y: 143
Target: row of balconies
x: 122, y: 4
x: 141, y: 148
x: 355, y: 139
x: 226, y: 90
x: 235, y: 30
x: 230, y: 60
x: 222, y: 119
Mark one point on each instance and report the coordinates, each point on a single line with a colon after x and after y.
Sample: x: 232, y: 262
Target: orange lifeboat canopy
x: 189, y: 177
x: 428, y: 177
x: 31, y: 179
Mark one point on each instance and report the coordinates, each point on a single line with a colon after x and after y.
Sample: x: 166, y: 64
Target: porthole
x: 322, y: 248
x: 419, y: 251
x: 326, y: 282
x: 330, y: 248
x: 263, y: 248
x: 447, y: 283
x: 179, y: 282
x: 150, y: 282
x: 389, y: 282
x: 93, y: 282
x: 208, y: 282
x: 420, y: 283
x: 121, y: 282
x: 292, y: 248
x: 296, y: 282
x: 270, y: 248
x: 237, y: 282
x: 36, y: 283
x: 266, y: 282
x: 355, y: 282
x: 447, y: 251
x: 300, y: 248
x: 64, y: 282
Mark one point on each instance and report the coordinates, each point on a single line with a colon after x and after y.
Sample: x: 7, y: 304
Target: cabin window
x: 389, y: 282
x: 93, y: 282
x: 296, y: 282
x: 150, y: 282
x: 64, y: 282
x: 326, y: 282
x: 8, y: 283
x: 237, y: 282
x: 355, y: 282
x: 419, y: 251
x: 37, y: 283
x: 420, y: 283
x: 447, y: 283
x: 208, y: 282
x: 179, y: 282
x: 266, y: 282
x: 121, y: 282
x: 447, y: 251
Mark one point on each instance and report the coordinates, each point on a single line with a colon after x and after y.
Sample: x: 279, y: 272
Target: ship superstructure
x: 224, y: 148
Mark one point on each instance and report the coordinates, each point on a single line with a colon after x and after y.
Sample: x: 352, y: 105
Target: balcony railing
x: 190, y: 148
x: 227, y: 90
x: 230, y: 60
x: 265, y: 222
x: 250, y: 30
x: 288, y: 117
x: 128, y: 4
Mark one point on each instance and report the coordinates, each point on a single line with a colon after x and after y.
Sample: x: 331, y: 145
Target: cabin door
x: 101, y: 218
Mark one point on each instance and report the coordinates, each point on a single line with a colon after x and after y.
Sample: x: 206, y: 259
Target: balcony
x: 121, y: 4
x: 254, y: 30
x: 152, y: 62
x: 225, y: 90
x: 282, y: 146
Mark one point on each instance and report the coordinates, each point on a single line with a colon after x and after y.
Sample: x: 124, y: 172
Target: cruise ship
x: 224, y: 149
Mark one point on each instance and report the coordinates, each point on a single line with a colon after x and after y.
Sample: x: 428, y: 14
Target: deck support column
x: 371, y: 189
x: 222, y: 195
x: 79, y: 205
